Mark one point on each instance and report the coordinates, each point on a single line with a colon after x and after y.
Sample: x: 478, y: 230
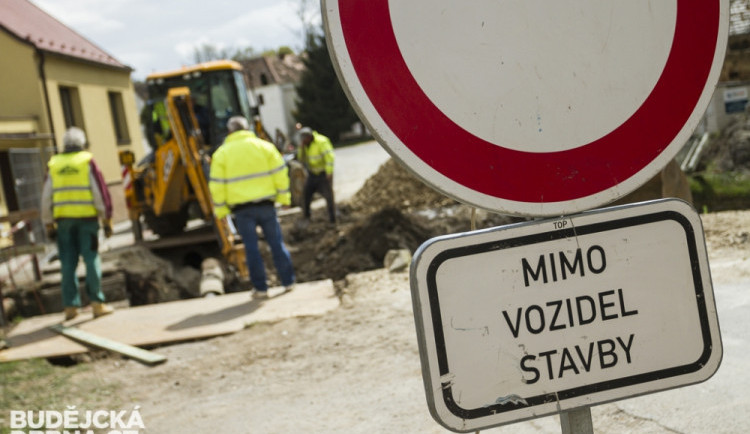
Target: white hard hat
x: 74, y: 137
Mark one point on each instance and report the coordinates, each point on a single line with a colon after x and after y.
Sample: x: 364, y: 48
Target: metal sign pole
x: 577, y: 421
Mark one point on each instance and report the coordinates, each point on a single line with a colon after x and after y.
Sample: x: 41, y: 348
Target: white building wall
x: 276, y: 111
x: 290, y: 104
x: 272, y: 109
x: 279, y: 101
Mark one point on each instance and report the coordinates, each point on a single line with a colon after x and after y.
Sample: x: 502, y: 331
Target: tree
x: 208, y: 52
x: 322, y: 104
x: 241, y: 54
x: 284, y: 50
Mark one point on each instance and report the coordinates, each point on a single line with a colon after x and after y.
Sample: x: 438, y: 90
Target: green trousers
x: 79, y: 237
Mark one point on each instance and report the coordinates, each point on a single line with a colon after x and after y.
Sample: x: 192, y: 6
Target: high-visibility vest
x: 71, y: 185
x: 161, y: 120
x: 318, y: 156
x: 247, y: 169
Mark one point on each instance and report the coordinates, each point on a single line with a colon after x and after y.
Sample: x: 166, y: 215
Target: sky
x: 161, y: 35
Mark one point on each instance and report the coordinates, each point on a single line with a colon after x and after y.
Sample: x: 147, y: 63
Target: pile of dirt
x: 321, y: 251
x: 381, y: 216
x: 394, y: 187
x: 392, y: 210
x: 150, y: 278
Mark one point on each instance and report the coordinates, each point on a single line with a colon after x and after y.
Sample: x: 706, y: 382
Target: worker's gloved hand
x: 51, y: 231
x: 107, y: 228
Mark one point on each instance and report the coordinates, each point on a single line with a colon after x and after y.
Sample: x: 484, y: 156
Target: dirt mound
x: 394, y: 187
x: 381, y: 216
x: 392, y: 210
x: 357, y: 243
x: 153, y: 279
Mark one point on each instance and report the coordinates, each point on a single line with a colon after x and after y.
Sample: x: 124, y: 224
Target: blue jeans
x: 247, y: 219
x: 79, y: 237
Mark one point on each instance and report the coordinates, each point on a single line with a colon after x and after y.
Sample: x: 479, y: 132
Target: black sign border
x: 434, y: 306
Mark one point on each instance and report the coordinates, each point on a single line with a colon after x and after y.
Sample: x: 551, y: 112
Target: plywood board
x: 170, y: 322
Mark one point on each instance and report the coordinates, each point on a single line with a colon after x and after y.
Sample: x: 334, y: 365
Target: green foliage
x: 284, y: 49
x: 241, y: 54
x: 322, y: 104
x: 208, y: 52
x: 720, y: 191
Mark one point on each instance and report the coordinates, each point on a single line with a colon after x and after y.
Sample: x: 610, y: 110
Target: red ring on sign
x: 527, y: 176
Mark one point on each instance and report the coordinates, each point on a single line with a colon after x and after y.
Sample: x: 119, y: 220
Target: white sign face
x: 530, y: 107
x: 528, y: 320
x: 735, y: 94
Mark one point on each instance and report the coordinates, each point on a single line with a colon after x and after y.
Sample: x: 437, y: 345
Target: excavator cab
x: 217, y: 90
x: 166, y: 184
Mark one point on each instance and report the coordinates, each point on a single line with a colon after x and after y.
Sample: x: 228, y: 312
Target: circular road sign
x: 530, y: 107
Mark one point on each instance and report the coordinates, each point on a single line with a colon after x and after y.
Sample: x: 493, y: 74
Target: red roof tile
x: 29, y: 23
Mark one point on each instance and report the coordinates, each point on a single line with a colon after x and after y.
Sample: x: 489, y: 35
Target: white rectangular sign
x: 528, y: 320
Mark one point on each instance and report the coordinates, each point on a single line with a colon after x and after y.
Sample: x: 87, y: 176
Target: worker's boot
x: 101, y: 309
x: 70, y: 313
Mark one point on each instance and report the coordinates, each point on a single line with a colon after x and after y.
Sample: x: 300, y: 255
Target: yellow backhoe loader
x: 185, y: 121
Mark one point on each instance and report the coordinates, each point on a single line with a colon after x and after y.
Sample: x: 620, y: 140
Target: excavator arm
x: 187, y: 134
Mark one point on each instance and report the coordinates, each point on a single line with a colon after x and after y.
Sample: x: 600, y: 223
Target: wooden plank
x: 143, y: 356
x: 9, y: 252
x: 16, y: 216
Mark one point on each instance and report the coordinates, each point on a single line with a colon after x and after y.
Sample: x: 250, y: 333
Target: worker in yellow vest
x: 315, y: 152
x: 74, y: 198
x: 248, y: 177
x: 160, y: 119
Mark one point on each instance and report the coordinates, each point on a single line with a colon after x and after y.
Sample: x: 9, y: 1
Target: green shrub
x: 720, y: 191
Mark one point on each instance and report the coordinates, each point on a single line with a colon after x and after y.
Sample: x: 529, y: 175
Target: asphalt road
x: 721, y: 404
x: 354, y: 165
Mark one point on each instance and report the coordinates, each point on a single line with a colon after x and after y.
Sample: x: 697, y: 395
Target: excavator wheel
x: 167, y: 224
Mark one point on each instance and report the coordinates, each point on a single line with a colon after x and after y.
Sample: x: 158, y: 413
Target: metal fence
x: 29, y: 168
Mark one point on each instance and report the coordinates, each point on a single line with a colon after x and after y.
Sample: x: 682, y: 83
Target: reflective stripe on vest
x: 247, y: 169
x: 249, y: 176
x: 246, y: 185
x: 71, y: 188
x: 318, y: 156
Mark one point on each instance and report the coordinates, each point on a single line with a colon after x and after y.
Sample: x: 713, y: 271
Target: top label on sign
x: 524, y: 108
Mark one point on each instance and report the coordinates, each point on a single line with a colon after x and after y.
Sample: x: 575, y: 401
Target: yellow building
x: 52, y: 78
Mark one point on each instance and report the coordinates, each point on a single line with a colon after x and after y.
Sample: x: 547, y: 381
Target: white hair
x: 74, y: 137
x: 236, y: 123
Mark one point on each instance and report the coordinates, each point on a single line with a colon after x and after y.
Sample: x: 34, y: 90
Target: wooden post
x: 577, y: 421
